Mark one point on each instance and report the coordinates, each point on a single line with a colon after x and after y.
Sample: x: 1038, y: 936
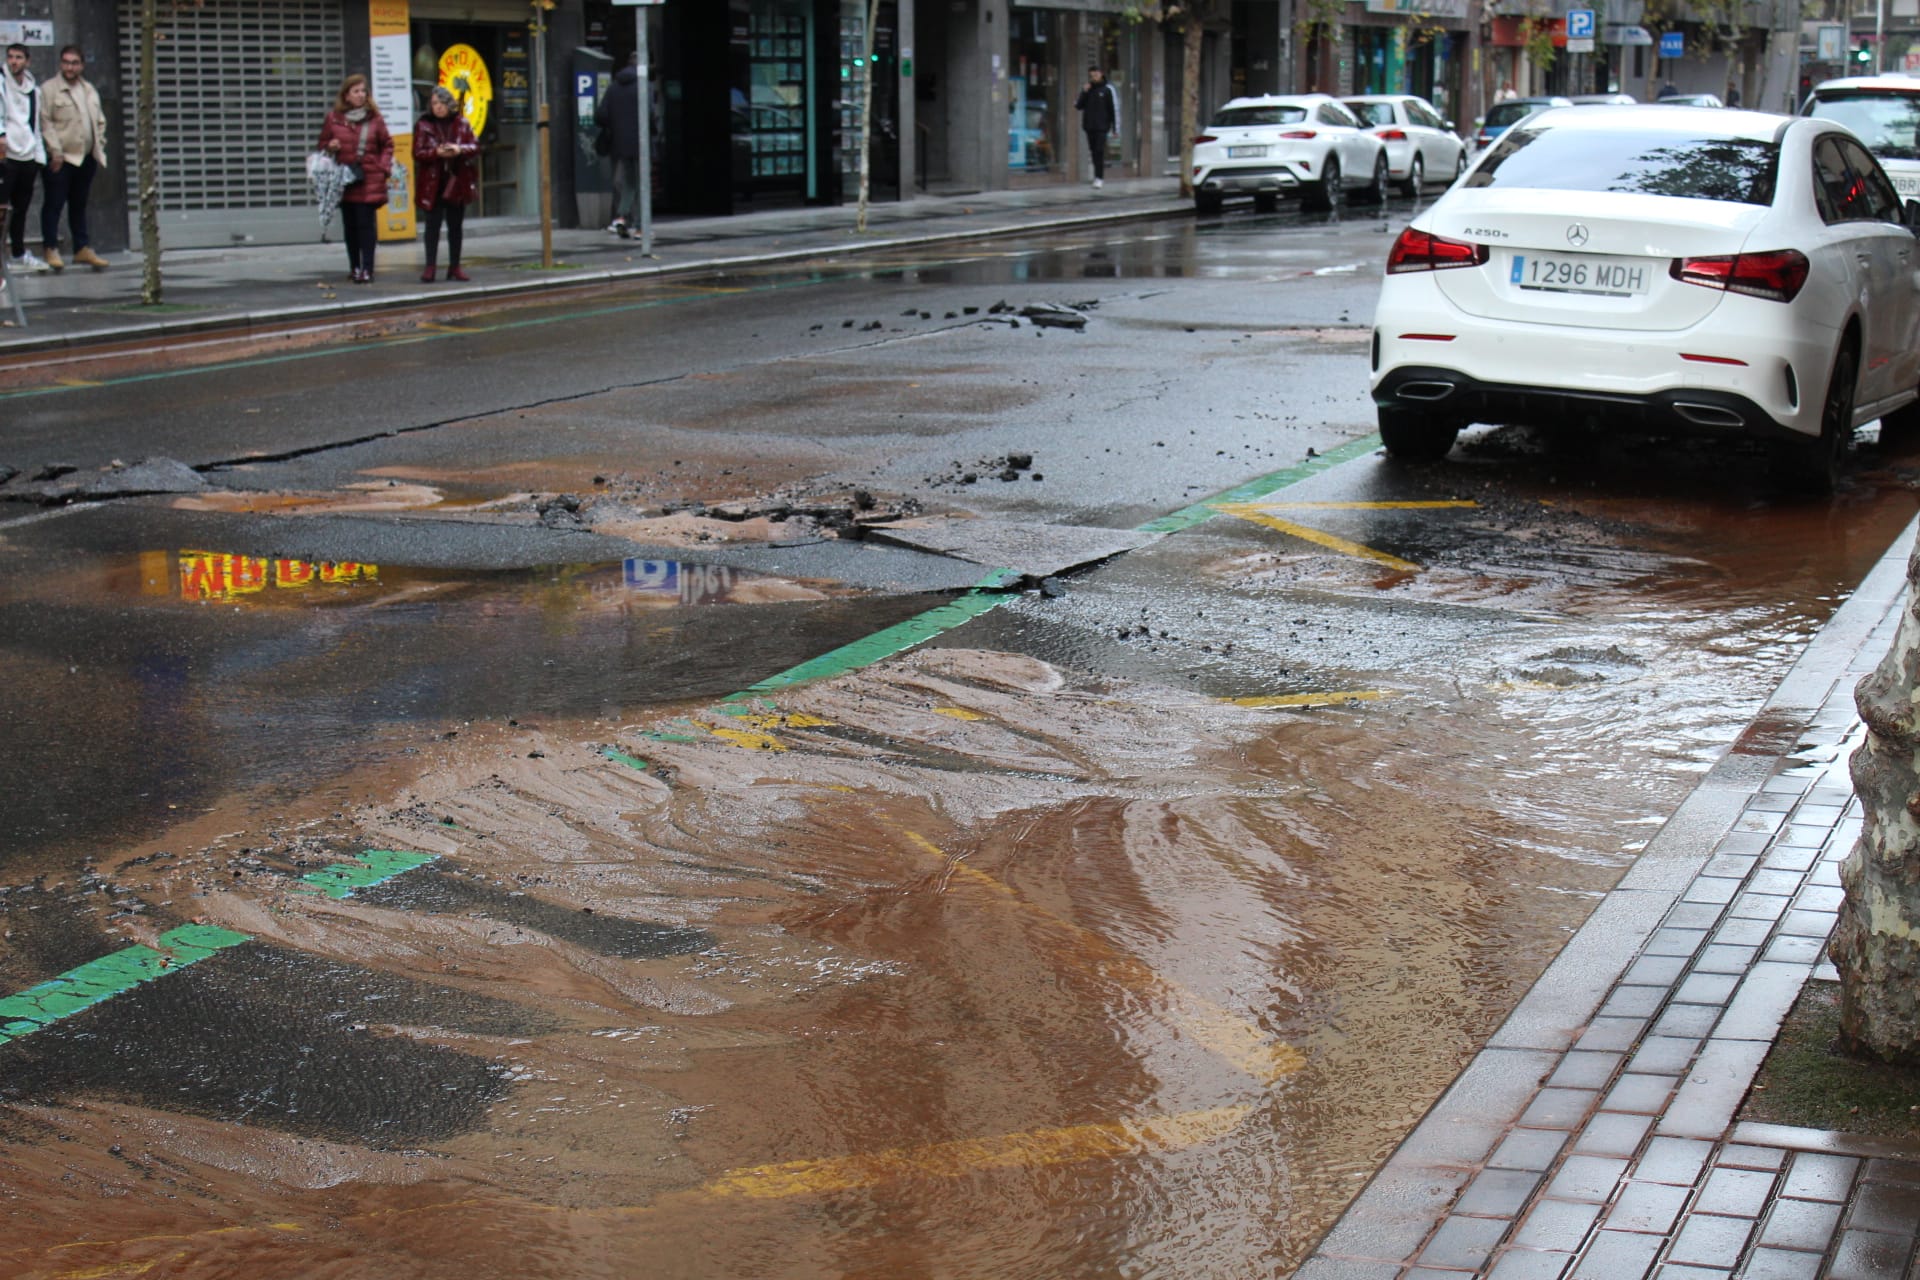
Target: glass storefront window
x: 772, y: 69
x: 1035, y: 94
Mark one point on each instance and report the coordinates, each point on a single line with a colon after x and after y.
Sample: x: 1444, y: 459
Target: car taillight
x: 1298, y: 133
x: 1777, y: 274
x: 1392, y: 135
x: 1419, y: 251
x: 1204, y: 137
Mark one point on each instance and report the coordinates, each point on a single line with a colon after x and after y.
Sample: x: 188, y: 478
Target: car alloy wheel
x: 1416, y: 177
x: 1460, y: 165
x: 1376, y: 190
x: 1836, y: 422
x: 1331, y: 193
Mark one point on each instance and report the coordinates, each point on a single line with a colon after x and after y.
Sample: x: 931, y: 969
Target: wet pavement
x: 771, y: 904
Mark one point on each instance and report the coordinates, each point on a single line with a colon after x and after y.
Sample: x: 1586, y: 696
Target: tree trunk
x: 1876, y: 945
x: 866, y: 116
x: 1196, y: 34
x: 148, y: 163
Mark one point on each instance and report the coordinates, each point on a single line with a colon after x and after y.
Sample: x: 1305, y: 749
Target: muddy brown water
x: 972, y: 963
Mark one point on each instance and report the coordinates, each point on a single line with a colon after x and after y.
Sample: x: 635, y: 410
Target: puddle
x: 245, y: 669
x: 225, y: 577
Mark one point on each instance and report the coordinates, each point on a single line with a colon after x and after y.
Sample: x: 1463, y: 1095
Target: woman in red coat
x: 354, y: 134
x: 443, y: 178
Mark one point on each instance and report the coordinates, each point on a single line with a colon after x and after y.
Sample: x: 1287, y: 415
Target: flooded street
x: 584, y: 832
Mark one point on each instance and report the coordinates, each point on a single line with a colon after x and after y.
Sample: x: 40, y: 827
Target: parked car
x: 1724, y: 272
x: 1604, y: 99
x: 1501, y: 116
x: 1307, y: 145
x: 1884, y: 113
x: 1420, y: 145
x: 1692, y: 100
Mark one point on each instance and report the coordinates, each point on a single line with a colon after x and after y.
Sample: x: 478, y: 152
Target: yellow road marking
x: 435, y: 326
x: 79, y: 382
x: 1221, y: 1032
x: 1036, y: 1148
x: 1437, y: 504
x: 756, y: 735
x: 749, y: 739
x: 958, y: 713
x: 1314, y: 699
x: 1248, y: 511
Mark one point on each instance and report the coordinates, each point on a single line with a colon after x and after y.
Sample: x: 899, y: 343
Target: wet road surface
x: 1114, y: 931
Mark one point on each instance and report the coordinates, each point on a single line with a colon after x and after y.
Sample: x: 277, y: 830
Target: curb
x: 242, y: 323
x: 1576, y: 1008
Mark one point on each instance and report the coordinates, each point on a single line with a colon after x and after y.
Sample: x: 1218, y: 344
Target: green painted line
x: 1254, y: 490
x: 372, y: 867
x: 621, y: 757
x: 989, y: 593
x: 882, y: 644
x: 79, y: 989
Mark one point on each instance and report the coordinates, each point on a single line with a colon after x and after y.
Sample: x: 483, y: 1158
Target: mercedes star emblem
x: 1576, y: 235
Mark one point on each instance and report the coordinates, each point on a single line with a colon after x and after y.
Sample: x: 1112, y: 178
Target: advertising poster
x: 463, y: 72
x: 392, y: 83
x: 515, y: 103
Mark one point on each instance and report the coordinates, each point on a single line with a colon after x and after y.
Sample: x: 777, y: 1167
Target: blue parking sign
x: 1579, y: 24
x: 1673, y: 44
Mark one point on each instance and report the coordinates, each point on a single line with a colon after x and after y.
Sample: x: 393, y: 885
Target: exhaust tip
x: 1708, y: 415
x: 1426, y: 392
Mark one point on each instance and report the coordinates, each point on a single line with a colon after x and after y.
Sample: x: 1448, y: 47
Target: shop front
x: 1049, y: 55
x: 483, y: 53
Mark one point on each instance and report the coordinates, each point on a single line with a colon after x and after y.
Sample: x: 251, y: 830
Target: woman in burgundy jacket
x: 354, y: 134
x: 443, y: 178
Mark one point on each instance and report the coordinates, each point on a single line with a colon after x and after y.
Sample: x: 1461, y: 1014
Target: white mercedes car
x: 1421, y: 147
x: 1666, y: 267
x: 1884, y: 111
x: 1307, y: 145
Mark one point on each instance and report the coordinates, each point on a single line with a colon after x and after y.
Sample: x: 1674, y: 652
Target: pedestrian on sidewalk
x: 1099, y: 112
x: 24, y: 152
x: 443, y: 177
x: 75, y: 129
x: 617, y: 116
x: 354, y: 134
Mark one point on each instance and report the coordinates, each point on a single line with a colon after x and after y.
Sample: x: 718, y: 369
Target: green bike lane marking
x: 986, y: 595
x: 99, y: 980
x: 45, y: 1003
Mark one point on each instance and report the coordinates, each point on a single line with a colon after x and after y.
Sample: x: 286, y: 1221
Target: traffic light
x: 1863, y: 55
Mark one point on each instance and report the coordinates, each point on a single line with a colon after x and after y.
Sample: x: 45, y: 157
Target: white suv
x: 1884, y: 113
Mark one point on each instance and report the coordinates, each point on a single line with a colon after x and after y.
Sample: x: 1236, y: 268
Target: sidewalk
x: 273, y: 286
x: 1594, y: 1136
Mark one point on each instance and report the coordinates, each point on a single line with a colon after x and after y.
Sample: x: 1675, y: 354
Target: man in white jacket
x: 23, y: 150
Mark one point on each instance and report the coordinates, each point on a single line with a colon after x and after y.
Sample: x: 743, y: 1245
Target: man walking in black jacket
x: 617, y: 116
x: 1099, y: 111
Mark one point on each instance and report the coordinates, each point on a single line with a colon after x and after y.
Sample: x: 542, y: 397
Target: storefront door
x: 1037, y: 98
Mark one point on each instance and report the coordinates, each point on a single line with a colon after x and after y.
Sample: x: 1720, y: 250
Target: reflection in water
x: 235, y: 669
x: 229, y: 578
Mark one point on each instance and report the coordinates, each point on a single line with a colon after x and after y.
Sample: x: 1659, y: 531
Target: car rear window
x: 1505, y: 113
x: 1741, y: 170
x: 1253, y: 117
x: 1373, y: 113
x: 1889, y: 123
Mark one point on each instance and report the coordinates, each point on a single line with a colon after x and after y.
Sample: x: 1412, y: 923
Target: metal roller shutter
x: 242, y: 87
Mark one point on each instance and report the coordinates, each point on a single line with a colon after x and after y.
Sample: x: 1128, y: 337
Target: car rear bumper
x: 1248, y: 180
x: 1450, y: 393
x: 1744, y: 368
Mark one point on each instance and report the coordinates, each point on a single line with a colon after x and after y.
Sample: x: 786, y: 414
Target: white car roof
x: 1382, y: 97
x: 1652, y: 117
x: 1888, y: 80
x: 1280, y: 100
